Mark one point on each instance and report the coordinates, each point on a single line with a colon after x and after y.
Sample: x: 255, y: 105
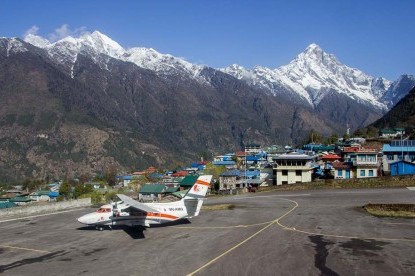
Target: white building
x: 293, y: 168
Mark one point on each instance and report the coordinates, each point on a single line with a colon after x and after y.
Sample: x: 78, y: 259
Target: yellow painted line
x: 23, y: 248
x: 336, y: 236
x: 245, y: 240
x: 223, y: 227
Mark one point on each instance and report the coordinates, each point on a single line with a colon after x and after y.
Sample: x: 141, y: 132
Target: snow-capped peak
x: 313, y: 74
x: 37, y: 41
x: 102, y: 44
x: 66, y: 50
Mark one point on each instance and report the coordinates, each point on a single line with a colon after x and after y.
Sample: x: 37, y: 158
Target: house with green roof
x: 6, y: 204
x: 392, y: 133
x: 188, y: 181
x: 151, y: 192
x: 21, y: 200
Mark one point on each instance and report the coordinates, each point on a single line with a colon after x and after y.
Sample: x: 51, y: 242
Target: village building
x: 343, y: 170
x: 293, y: 168
x: 391, y: 133
x: 397, y: 150
x: 402, y: 168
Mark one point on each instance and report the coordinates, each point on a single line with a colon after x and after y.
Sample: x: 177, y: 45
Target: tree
x: 32, y: 185
x: 110, y: 174
x: 314, y: 137
x: 82, y: 189
x: 332, y: 139
x: 65, y: 190
x: 216, y: 171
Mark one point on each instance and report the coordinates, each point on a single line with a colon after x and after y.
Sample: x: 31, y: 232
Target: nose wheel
x: 100, y: 228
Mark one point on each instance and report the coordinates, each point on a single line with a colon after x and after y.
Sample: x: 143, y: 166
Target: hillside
x: 401, y: 115
x: 81, y: 106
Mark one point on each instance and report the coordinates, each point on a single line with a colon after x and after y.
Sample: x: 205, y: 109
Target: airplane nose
x: 83, y: 219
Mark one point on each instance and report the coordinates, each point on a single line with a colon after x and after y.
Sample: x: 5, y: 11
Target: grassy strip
x: 355, y: 183
x: 218, y: 207
x: 391, y: 210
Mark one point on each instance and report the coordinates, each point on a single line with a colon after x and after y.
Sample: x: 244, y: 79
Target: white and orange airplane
x: 133, y: 213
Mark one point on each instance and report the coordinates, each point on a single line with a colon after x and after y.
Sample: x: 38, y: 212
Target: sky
x: 376, y: 37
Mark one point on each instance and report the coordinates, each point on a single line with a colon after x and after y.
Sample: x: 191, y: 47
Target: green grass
x: 218, y: 207
x: 391, y: 210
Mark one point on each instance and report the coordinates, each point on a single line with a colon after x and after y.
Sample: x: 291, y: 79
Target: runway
x: 323, y: 232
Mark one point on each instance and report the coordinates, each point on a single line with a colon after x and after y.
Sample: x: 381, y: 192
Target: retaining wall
x: 45, y: 207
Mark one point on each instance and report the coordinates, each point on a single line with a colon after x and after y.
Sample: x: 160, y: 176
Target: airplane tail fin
x: 193, y: 200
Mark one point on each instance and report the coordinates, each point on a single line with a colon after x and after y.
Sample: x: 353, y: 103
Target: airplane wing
x: 137, y: 205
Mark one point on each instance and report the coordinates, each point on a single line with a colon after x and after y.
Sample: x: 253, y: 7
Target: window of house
x: 339, y: 172
x: 284, y: 172
x: 284, y: 182
x: 298, y: 172
x: 390, y: 157
x: 370, y: 172
x: 362, y: 173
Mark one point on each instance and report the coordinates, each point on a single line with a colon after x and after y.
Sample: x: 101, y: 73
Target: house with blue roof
x: 397, y: 150
x: 225, y: 160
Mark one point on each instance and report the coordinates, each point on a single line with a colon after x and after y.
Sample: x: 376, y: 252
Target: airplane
x: 133, y: 213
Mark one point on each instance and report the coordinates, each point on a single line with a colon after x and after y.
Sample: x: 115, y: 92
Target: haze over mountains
x: 82, y: 104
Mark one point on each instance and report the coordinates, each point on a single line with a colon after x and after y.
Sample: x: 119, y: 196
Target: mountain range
x: 81, y: 105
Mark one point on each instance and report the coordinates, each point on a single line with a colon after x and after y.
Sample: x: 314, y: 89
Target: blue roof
x: 224, y: 163
x: 248, y: 174
x: 389, y: 148
x: 251, y: 174
x: 53, y: 194
x: 231, y: 173
x: 252, y: 158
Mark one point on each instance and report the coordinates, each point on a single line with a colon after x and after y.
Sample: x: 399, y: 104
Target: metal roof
x: 152, y: 188
x: 389, y: 148
x: 189, y: 180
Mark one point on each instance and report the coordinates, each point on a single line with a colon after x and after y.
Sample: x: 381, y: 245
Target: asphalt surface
x: 286, y: 233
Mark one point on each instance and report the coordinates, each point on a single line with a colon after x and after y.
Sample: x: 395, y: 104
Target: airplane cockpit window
x: 103, y: 210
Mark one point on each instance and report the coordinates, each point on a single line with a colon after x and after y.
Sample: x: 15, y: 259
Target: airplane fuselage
x: 122, y: 215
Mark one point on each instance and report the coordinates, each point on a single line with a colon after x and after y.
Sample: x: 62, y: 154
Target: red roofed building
x: 330, y: 157
x: 180, y: 174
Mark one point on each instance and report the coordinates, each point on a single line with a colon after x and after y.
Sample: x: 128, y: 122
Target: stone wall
x: 45, y: 207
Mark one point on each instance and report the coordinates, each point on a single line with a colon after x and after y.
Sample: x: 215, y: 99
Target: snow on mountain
x: 310, y: 77
x: 96, y: 44
x: 161, y: 63
x: 37, y: 41
x: 398, y: 89
x: 12, y: 45
x: 313, y: 74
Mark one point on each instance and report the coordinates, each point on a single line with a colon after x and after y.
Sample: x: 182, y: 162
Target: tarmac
x: 312, y: 232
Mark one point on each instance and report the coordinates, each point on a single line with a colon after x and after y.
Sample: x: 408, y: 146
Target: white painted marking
x: 411, y: 188
x: 42, y: 215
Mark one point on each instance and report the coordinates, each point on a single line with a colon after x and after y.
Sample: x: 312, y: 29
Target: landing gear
x: 100, y: 228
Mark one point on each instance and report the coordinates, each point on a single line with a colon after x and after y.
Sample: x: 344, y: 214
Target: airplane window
x: 103, y: 210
